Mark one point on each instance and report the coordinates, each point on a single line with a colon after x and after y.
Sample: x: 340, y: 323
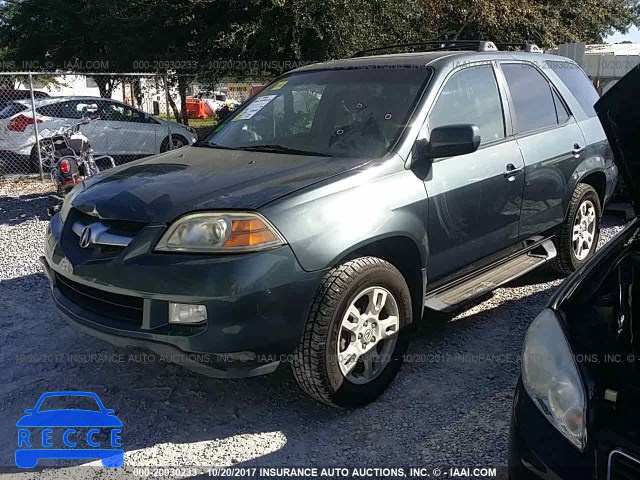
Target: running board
x: 448, y: 297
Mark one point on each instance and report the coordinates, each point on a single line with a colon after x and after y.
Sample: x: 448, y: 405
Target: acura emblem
x: 85, y: 237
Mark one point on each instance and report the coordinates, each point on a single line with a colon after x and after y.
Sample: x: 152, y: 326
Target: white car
x: 218, y: 100
x: 119, y: 130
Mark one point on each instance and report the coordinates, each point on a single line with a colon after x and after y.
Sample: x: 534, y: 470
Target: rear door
x: 71, y: 112
x: 131, y: 132
x: 550, y: 140
x: 475, y: 199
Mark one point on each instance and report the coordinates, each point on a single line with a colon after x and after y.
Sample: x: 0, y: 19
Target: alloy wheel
x: 368, y: 334
x: 584, y: 228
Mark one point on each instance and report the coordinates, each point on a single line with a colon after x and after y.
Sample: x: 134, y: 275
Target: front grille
x: 623, y: 466
x: 112, y: 305
x: 97, y: 251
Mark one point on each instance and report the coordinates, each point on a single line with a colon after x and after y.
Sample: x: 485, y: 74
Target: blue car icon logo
x: 87, y: 430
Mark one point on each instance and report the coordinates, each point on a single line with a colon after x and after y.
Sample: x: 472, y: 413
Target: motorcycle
x: 69, y: 157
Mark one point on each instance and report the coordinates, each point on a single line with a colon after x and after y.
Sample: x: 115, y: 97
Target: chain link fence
x: 125, y: 116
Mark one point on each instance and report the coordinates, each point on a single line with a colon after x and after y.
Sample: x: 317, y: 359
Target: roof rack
x: 436, y: 45
x: 527, y: 47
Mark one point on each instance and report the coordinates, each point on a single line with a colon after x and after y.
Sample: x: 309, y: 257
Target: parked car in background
x: 320, y: 221
x: 218, y: 100
x: 576, y: 412
x: 7, y: 96
x: 119, y: 130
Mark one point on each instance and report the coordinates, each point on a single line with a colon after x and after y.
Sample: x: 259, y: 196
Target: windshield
x: 357, y: 113
x: 69, y: 402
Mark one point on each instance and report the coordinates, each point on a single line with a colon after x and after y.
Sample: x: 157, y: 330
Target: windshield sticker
x: 257, y: 105
x: 279, y: 85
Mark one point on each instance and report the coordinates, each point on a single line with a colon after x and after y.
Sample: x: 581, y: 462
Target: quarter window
x: 532, y: 97
x: 471, y: 96
x: 578, y: 83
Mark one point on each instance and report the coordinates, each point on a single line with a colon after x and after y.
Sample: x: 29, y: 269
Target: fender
x: 592, y: 164
x: 325, y: 223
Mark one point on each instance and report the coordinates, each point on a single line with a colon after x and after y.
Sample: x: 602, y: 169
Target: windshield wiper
x: 282, y: 149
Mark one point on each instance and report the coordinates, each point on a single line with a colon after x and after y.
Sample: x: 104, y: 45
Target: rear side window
x: 577, y: 81
x: 471, y: 96
x: 532, y: 97
x: 11, y: 109
x: 73, y: 109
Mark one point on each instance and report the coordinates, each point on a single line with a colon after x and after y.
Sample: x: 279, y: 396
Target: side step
x: 484, y: 281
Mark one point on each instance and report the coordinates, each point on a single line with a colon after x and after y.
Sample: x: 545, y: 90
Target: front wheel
x: 578, y: 237
x: 356, y: 334
x: 177, y: 141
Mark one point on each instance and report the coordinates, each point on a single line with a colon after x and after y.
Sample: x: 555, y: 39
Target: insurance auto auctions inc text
x: 352, y: 472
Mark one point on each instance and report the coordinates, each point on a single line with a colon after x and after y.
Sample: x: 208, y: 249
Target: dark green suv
x: 317, y: 223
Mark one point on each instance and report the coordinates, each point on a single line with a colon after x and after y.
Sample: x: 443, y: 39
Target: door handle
x: 577, y: 149
x: 115, y: 127
x: 512, y: 170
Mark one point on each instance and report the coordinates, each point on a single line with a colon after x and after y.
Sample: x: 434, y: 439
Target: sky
x: 632, y: 36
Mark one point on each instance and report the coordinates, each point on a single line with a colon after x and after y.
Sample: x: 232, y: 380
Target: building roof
x: 613, y: 49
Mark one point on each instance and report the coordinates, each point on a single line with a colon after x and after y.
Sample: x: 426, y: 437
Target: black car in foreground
x: 317, y: 223
x: 576, y: 412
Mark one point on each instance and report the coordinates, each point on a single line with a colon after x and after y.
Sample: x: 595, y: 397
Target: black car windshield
x: 339, y: 113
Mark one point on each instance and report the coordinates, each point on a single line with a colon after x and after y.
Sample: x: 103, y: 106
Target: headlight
x: 551, y: 378
x: 219, y: 233
x: 68, y: 201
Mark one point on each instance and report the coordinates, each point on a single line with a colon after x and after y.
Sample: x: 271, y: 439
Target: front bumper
x: 257, y: 303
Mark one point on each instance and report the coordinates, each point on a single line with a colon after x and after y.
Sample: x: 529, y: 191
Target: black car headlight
x: 551, y: 378
x: 68, y: 201
x: 220, y: 232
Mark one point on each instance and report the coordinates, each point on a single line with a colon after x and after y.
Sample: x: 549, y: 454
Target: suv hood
x: 619, y: 113
x: 160, y: 188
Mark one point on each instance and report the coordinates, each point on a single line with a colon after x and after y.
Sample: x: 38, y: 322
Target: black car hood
x: 619, y: 113
x: 163, y: 187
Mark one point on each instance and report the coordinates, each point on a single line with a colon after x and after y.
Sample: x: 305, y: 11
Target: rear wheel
x: 356, y: 333
x: 578, y: 237
x: 47, y: 155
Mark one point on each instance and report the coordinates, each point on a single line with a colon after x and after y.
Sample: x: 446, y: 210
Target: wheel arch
x: 165, y: 141
x: 591, y: 172
x: 402, y: 252
x: 598, y: 180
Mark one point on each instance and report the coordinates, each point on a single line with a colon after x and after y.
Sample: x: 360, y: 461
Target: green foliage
x: 66, y: 34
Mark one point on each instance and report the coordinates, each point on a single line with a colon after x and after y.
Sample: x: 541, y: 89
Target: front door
x: 130, y: 131
x: 475, y: 199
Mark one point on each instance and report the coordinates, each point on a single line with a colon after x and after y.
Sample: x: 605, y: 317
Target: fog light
x: 186, y: 314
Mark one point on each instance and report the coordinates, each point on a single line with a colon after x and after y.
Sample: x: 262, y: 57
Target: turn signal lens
x: 250, y: 233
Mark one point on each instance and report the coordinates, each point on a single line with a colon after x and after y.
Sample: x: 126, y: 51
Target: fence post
x: 166, y: 91
x: 35, y: 126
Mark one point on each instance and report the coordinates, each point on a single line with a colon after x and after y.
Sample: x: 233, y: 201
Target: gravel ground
x: 449, y: 406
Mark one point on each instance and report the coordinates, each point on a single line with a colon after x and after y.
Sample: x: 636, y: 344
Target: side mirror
x: 454, y: 140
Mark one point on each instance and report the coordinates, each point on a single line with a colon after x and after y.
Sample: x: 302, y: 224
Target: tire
x: 34, y: 162
x: 178, y: 142
x: 316, y: 361
x: 568, y: 261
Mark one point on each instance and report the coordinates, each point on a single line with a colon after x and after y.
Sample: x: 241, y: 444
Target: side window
x: 120, y: 113
x: 577, y: 81
x: 532, y: 97
x: 60, y: 110
x: 471, y: 96
x: 85, y: 108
